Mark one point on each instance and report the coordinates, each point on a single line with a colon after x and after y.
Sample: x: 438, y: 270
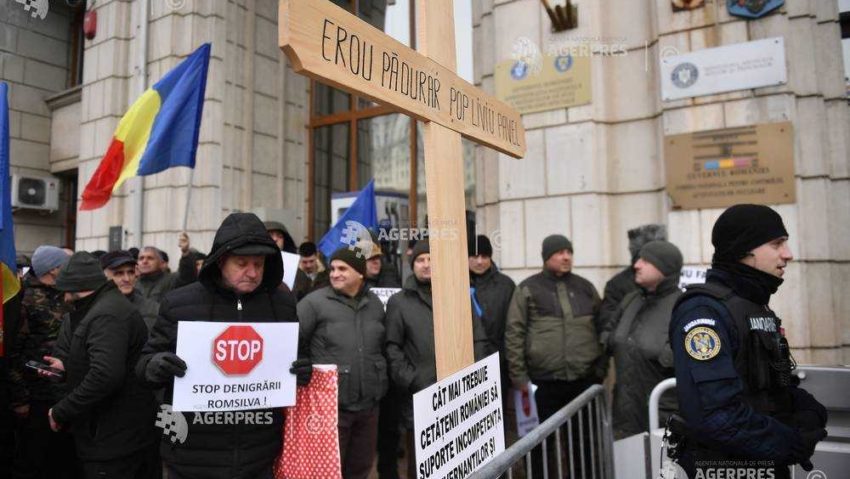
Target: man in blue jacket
x: 734, y: 379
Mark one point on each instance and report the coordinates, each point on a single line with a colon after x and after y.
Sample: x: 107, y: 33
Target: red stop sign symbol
x: 237, y: 350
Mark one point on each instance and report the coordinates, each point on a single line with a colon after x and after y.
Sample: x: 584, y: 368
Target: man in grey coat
x: 623, y: 282
x: 343, y: 324
x: 637, y: 339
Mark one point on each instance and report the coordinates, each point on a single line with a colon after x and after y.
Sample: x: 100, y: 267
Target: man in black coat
x: 109, y: 412
x: 239, y: 282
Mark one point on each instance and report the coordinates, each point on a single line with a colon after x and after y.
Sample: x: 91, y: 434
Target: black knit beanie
x: 554, y: 243
x: 663, y: 255
x: 421, y: 247
x: 481, y: 246
x: 81, y: 273
x: 351, y: 258
x: 742, y: 228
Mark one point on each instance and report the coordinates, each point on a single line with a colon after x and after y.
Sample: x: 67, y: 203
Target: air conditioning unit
x: 35, y: 192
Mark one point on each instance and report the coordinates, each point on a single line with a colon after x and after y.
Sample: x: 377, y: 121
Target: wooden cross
x: 330, y: 44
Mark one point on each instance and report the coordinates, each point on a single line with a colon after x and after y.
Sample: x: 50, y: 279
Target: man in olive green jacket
x: 551, y: 337
x: 343, y: 324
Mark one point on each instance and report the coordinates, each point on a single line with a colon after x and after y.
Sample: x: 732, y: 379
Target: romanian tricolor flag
x: 9, y: 284
x: 159, y: 131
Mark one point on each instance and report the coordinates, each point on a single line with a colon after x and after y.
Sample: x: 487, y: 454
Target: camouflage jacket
x: 42, y: 311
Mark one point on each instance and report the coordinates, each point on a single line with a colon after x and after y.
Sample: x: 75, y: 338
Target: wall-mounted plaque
x: 709, y: 71
x: 548, y: 82
x: 720, y: 168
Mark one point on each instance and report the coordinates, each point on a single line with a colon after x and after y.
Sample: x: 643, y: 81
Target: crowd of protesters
x: 107, y: 323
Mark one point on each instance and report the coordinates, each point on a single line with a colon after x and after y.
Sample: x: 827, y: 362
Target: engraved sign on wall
x: 556, y: 81
x: 709, y: 71
x: 719, y: 168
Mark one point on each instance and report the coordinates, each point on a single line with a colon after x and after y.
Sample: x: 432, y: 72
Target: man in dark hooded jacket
x: 281, y: 236
x: 108, y: 410
x: 239, y: 282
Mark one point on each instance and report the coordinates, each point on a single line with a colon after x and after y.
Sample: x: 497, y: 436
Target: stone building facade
x: 591, y: 172
x: 594, y: 171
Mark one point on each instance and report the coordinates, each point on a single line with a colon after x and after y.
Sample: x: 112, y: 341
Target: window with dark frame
x: 353, y: 139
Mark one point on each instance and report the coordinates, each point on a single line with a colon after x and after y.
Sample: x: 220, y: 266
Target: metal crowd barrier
x: 591, y: 413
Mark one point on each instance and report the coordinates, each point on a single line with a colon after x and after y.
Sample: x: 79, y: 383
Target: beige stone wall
x: 253, y: 120
x: 34, y: 62
x: 592, y: 172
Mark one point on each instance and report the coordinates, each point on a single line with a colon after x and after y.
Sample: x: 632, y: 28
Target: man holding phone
x: 42, y: 309
x: 110, y: 413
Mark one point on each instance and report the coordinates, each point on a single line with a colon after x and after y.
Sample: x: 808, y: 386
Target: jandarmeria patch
x: 702, y: 343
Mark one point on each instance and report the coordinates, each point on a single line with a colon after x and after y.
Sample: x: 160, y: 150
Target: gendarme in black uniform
x: 733, y: 366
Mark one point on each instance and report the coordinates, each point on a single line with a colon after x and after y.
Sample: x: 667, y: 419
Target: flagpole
x: 188, y: 198
x: 137, y: 195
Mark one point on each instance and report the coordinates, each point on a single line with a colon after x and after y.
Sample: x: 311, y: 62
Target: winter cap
x: 114, y: 259
x: 46, y: 258
x: 307, y: 248
x: 663, y: 255
x: 81, y: 273
x: 742, y: 228
x: 351, y: 258
x: 644, y: 234
x: 554, y: 243
x: 482, y: 247
x: 275, y: 226
x: 371, y: 249
x: 420, y: 248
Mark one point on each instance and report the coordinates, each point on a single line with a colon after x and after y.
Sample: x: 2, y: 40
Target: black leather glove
x: 804, y: 449
x: 807, y: 420
x: 808, y: 411
x: 302, y: 368
x: 164, y: 366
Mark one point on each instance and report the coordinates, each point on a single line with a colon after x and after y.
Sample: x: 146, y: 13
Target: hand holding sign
x: 164, y: 366
x: 234, y: 366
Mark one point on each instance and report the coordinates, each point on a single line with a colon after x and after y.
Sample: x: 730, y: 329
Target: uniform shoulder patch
x: 702, y: 343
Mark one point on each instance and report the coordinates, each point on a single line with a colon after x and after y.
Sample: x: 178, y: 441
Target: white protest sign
x: 384, y: 294
x: 235, y: 366
x: 692, y: 275
x: 526, y: 410
x: 458, y: 422
x: 290, y: 267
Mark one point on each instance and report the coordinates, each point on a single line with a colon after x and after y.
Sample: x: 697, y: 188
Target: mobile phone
x: 49, y: 370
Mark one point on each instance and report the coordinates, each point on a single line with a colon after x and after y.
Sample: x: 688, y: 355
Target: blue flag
x: 353, y: 225
x: 9, y: 284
